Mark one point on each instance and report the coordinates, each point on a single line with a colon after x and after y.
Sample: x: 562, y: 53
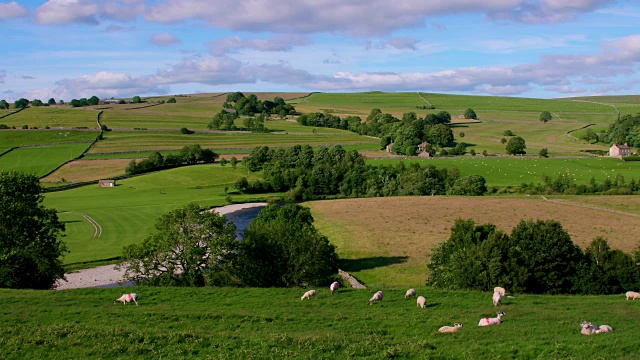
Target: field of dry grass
x: 386, y: 241
x: 87, y: 170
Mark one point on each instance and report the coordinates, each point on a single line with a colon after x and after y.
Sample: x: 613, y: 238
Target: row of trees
x: 565, y: 184
x: 624, y: 130
x: 537, y: 257
x: 251, y: 105
x: 307, y: 174
x: 188, y: 155
x: 226, y: 121
x: 281, y: 247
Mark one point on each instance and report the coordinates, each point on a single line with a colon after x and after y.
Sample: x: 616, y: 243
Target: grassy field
x: 41, y: 117
x: 513, y: 171
x: 88, y: 170
x: 386, y: 241
x: 14, y: 138
x: 42, y: 159
x: 127, y: 212
x: 273, y: 323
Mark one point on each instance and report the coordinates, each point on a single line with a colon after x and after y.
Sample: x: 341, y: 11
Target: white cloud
x: 274, y: 43
x: 549, y: 11
x: 67, y: 12
x: 395, y: 43
x: 12, y: 10
x: 164, y: 39
x: 122, y: 10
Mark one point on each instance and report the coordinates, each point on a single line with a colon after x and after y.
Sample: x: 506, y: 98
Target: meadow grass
x: 14, y: 138
x: 387, y: 241
x: 87, y: 170
x: 41, y: 117
x: 40, y: 160
x: 513, y: 171
x: 273, y: 323
x: 127, y: 212
x: 154, y: 120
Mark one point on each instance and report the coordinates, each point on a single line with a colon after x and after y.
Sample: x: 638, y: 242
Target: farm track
x: 590, y: 207
x: 425, y: 100
x: 97, y: 228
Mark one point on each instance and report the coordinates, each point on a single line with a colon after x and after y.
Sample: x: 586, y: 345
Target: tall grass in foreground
x: 268, y: 323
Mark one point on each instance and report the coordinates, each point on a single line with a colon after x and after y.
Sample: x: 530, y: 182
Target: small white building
x: 106, y: 183
x: 620, y: 150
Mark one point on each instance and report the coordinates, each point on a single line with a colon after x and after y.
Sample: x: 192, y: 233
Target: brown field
x: 87, y: 170
x: 386, y: 241
x: 619, y: 203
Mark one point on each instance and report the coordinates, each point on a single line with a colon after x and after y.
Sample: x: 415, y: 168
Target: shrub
x: 544, y: 152
x: 470, y: 114
x: 186, y: 131
x: 508, y: 133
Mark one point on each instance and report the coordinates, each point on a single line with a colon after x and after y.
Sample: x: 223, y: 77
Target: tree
x: 93, y: 100
x: 516, y: 145
x: 460, y: 149
x: 186, y: 131
x: 470, y: 114
x: 471, y: 185
x: 544, y: 152
x: 589, y: 135
x: 31, y: 247
x: 440, y: 135
x: 36, y: 102
x: 233, y: 161
x: 189, y: 247
x: 508, y: 133
x: 4, y: 104
x: 136, y: 99
x: 51, y: 101
x: 545, y: 116
x: 171, y: 101
x: 21, y: 103
x: 281, y: 247
x: 503, y: 141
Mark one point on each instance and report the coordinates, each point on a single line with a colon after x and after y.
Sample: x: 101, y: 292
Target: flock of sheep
x: 498, y: 292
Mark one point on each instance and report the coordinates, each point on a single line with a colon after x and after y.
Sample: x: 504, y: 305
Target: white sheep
x: 334, y: 287
x: 377, y: 297
x: 589, y: 329
x: 632, y: 295
x: 500, y: 290
x: 410, y: 293
x: 491, y: 321
x: 450, y: 329
x: 126, y: 298
x: 497, y: 298
x: 421, y: 301
x: 308, y: 294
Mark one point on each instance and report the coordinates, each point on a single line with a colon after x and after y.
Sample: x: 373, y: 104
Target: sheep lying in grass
x: 450, y: 329
x: 334, y: 287
x: 589, y: 329
x: 491, y: 321
x: 308, y: 294
x: 500, y: 290
x: 632, y: 295
x: 377, y: 297
x: 497, y: 298
x: 126, y: 298
x: 422, y: 302
x: 410, y: 293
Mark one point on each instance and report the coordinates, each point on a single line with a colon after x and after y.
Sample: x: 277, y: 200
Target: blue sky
x: 120, y: 48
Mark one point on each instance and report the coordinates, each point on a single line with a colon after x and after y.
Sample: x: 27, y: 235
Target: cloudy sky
x: 534, y: 48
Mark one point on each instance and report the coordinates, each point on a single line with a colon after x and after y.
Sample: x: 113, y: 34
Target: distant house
x: 106, y: 183
x: 110, y: 101
x: 619, y: 150
x: 424, y: 154
x: 230, y: 111
x: 389, y: 148
x: 422, y: 147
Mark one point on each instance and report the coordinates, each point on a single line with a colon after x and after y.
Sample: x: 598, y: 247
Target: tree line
x: 624, y: 130
x: 305, y: 174
x: 565, y: 184
x: 405, y: 134
x: 251, y: 105
x: 537, y: 257
x: 188, y: 155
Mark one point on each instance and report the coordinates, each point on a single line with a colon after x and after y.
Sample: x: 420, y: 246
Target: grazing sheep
x: 632, y: 295
x: 334, y: 287
x: 410, y: 293
x: 126, y: 298
x: 377, y: 297
x: 500, y: 290
x: 422, y: 301
x: 491, y: 321
x: 450, y: 329
x: 497, y: 297
x: 589, y: 329
x: 308, y: 294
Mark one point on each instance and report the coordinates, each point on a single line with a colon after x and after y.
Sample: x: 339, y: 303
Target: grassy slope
x: 274, y: 323
x: 513, y: 171
x: 127, y: 212
x: 53, y: 117
x: 40, y: 160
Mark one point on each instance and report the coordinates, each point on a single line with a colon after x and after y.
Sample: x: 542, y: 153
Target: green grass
x: 274, y: 323
x: 516, y: 104
x: 513, y: 171
x: 127, y: 212
x: 54, y: 117
x: 40, y: 160
x: 144, y: 118
x: 14, y: 138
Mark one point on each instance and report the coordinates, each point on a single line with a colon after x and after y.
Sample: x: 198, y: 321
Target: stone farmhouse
x: 619, y: 150
x: 106, y: 183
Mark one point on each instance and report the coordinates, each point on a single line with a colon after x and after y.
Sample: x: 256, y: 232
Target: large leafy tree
x: 188, y: 246
x: 31, y: 247
x: 440, y: 135
x: 281, y: 247
x: 516, y: 145
x: 545, y: 116
x: 21, y: 103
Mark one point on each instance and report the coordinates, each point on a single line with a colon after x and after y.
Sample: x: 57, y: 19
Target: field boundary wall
x: 11, y: 113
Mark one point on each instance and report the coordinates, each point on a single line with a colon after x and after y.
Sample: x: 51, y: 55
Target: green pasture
x: 237, y: 323
x: 15, y: 138
x: 124, y: 141
x: 360, y: 103
x: 513, y: 171
x: 42, y: 117
x: 127, y: 212
x: 156, y: 119
x: 40, y: 160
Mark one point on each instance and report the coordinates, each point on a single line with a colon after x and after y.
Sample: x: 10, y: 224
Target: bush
x: 171, y: 101
x: 470, y: 114
x: 186, y: 131
x: 508, y: 133
x: 503, y: 141
x: 544, y: 152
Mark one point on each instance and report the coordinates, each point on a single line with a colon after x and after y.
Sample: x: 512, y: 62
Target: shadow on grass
x: 351, y: 265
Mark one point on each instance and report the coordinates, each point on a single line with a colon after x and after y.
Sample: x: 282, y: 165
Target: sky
x: 69, y: 49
